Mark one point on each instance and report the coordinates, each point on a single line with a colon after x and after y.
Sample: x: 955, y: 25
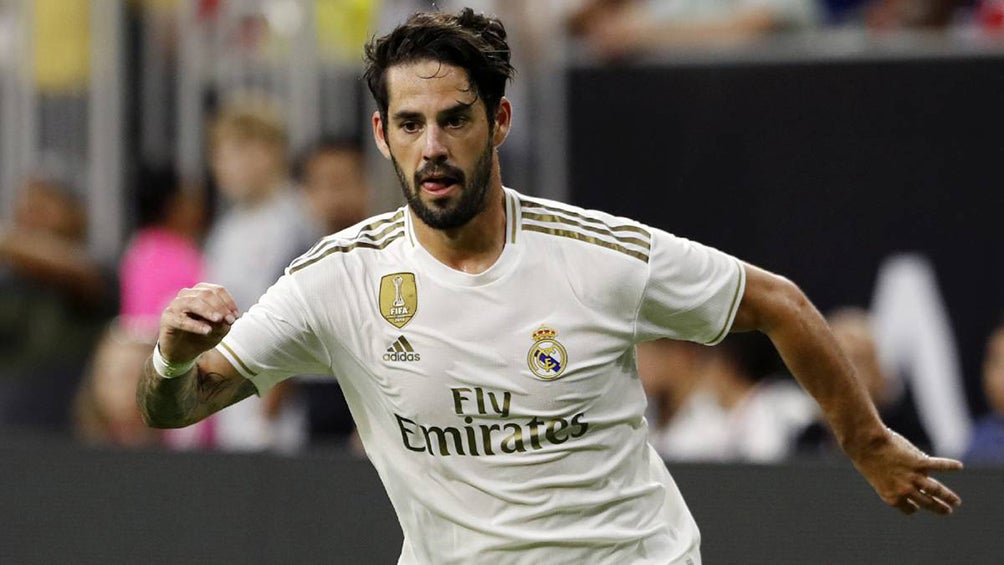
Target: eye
x: 410, y: 126
x: 456, y: 121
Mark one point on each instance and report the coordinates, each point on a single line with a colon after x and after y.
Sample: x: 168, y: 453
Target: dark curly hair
x: 473, y: 42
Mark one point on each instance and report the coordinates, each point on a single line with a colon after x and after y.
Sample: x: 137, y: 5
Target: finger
x: 187, y: 323
x: 937, y: 490
x: 203, y: 305
x: 223, y: 294
x: 224, y: 297
x: 906, y: 506
x: 941, y: 464
x: 924, y: 499
x: 191, y: 314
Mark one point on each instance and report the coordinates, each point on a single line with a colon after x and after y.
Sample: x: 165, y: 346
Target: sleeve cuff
x: 737, y: 298
x: 263, y: 385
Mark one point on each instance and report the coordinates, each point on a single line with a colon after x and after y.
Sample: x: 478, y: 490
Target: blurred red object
x: 991, y: 16
x: 208, y: 9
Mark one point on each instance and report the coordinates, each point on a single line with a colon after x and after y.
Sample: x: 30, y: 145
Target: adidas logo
x: 401, y: 350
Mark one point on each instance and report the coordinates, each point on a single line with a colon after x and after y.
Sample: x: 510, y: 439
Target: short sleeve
x: 274, y: 339
x: 692, y: 293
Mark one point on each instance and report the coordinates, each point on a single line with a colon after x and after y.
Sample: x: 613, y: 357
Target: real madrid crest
x: 547, y: 358
x: 398, y: 298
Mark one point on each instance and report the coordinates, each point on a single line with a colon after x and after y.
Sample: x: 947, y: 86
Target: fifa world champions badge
x: 547, y: 358
x: 398, y: 298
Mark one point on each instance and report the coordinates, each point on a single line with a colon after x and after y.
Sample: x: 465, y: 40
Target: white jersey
x: 503, y: 410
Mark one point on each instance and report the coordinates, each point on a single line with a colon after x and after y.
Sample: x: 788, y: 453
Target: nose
x: 435, y: 148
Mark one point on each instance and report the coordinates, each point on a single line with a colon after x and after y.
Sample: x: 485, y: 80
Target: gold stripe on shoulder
x: 643, y: 257
x: 554, y: 219
x: 628, y: 228
x: 376, y: 236
x: 323, y: 245
x: 347, y: 248
x: 238, y: 359
x: 370, y: 227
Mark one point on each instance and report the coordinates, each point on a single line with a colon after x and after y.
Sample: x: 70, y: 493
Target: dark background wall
x: 817, y: 170
x: 64, y: 504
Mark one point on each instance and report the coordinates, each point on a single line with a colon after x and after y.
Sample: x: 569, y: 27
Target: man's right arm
x: 212, y: 385
x: 190, y: 327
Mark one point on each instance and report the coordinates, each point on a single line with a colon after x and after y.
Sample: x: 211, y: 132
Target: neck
x: 475, y: 246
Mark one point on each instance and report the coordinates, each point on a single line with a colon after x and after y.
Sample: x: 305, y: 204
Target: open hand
x: 900, y: 474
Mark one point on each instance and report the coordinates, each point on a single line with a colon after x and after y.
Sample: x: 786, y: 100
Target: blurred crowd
x: 74, y: 332
x: 614, y: 29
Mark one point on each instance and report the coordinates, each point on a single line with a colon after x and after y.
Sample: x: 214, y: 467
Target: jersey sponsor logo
x: 401, y: 350
x: 486, y: 427
x: 398, y: 298
x: 547, y: 358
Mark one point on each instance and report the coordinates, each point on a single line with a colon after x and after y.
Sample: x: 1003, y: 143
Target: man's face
x: 440, y: 141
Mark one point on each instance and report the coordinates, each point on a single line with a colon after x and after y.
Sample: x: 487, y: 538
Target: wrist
x: 167, y: 369
x: 864, y: 438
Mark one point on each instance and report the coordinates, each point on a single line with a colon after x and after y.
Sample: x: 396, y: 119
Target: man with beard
x: 485, y: 339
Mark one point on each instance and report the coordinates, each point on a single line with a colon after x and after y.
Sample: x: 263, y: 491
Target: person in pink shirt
x: 162, y: 257
x: 158, y: 259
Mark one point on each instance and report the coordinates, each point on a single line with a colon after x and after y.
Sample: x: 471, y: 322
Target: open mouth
x: 438, y: 184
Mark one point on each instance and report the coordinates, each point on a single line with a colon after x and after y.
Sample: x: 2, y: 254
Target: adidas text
x: 396, y: 356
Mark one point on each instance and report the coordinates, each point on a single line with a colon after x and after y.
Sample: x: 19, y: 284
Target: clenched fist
x: 195, y: 321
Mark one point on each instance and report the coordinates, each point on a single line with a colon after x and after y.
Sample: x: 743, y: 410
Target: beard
x: 440, y: 214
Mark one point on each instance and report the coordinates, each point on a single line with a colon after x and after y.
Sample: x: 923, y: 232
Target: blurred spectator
x: 337, y: 195
x: 105, y: 410
x: 853, y: 329
x: 886, y: 15
x: 333, y: 178
x: 54, y: 300
x: 670, y: 371
x: 263, y: 228
x: 987, y: 445
x: 739, y: 411
x: 615, y: 28
x: 162, y: 257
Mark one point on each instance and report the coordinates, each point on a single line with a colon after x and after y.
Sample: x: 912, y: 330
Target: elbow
x: 793, y: 301
x: 789, y: 305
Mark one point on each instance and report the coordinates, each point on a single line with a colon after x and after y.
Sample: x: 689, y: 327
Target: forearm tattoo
x: 184, y: 400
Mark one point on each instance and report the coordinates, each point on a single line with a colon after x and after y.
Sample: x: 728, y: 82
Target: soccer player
x: 485, y: 339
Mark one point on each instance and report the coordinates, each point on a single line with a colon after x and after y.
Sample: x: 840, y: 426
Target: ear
x: 378, y: 135
x: 503, y: 121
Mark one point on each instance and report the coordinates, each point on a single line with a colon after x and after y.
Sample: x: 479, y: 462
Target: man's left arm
x: 896, y: 469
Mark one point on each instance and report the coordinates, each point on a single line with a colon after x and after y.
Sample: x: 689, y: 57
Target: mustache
x: 439, y: 170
